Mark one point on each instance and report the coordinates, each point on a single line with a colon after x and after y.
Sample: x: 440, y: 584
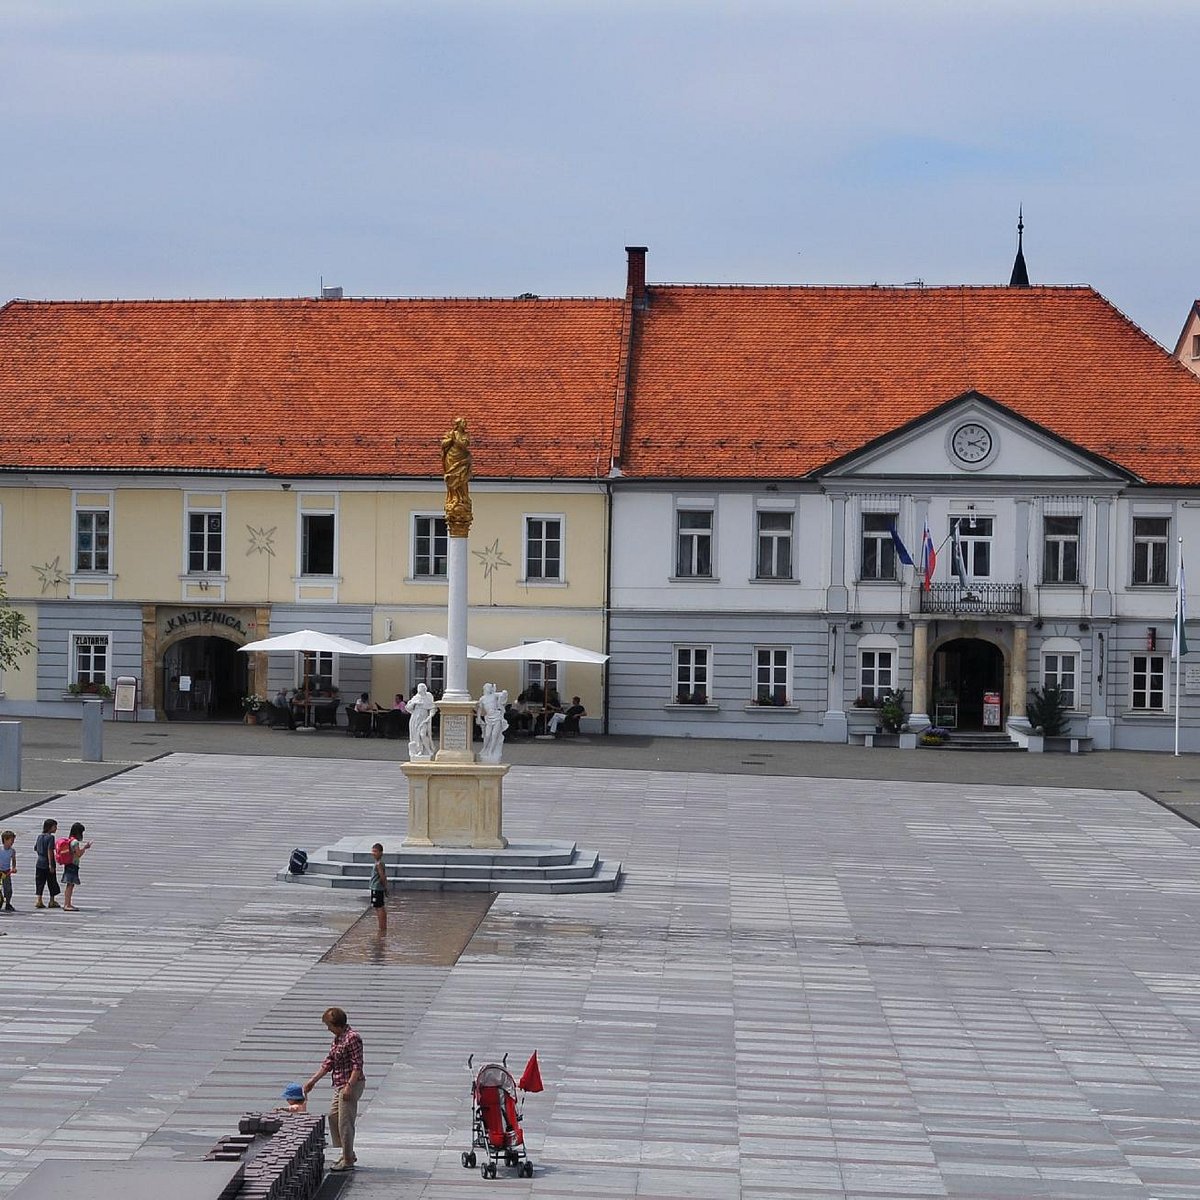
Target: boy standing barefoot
x: 379, y: 887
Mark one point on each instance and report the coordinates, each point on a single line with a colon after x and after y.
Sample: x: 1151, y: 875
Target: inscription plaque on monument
x: 454, y: 732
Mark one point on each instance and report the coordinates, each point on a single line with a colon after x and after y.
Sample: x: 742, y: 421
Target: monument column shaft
x: 456, y: 620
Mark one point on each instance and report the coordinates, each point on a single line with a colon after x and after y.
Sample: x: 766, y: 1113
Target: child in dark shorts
x: 379, y: 886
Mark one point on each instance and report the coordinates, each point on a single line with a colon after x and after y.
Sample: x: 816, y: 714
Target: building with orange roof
x: 721, y: 487
x: 179, y: 478
x: 784, y: 449
x: 1187, y: 348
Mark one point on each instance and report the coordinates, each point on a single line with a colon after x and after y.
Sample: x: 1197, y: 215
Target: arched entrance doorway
x: 963, y: 669
x: 204, y: 678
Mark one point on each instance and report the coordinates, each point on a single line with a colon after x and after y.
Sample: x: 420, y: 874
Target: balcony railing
x: 976, y: 599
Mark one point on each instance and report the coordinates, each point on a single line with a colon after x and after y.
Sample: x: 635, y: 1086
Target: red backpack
x: 63, y: 854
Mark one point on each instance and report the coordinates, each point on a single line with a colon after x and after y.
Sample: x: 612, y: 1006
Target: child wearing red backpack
x: 69, y: 851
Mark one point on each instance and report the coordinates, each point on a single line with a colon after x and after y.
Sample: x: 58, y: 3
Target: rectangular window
x: 1060, y: 554
x: 205, y: 542
x: 691, y: 674
x: 316, y: 543
x: 1150, y: 537
x: 1149, y: 682
x: 91, y: 539
x: 694, y: 543
x: 541, y: 679
x: 430, y: 669
x: 878, y: 549
x: 429, y: 547
x: 543, y: 548
x: 89, y: 658
x: 975, y: 543
x: 772, y: 671
x: 1061, y: 670
x: 874, y: 674
x: 1196, y: 345
x: 321, y: 674
x: 774, y: 544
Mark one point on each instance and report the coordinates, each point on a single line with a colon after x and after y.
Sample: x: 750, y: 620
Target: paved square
x: 806, y: 987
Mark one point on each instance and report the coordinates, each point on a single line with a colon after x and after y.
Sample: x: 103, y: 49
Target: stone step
x: 545, y: 867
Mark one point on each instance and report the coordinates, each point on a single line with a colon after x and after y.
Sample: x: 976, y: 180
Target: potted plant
x: 892, y: 715
x: 935, y: 735
x: 1048, y: 711
x: 90, y: 688
x: 251, y: 706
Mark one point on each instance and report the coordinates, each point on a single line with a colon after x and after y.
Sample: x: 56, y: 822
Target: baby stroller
x: 496, y: 1112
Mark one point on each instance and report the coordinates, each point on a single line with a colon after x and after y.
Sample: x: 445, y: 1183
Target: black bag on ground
x: 298, y: 863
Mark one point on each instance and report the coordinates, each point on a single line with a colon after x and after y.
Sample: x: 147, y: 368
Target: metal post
x: 10, y: 756
x: 93, y: 731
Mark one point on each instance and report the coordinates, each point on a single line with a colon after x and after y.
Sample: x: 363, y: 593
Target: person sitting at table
x: 364, y: 704
x: 572, y: 715
x: 283, y: 702
x: 398, y: 704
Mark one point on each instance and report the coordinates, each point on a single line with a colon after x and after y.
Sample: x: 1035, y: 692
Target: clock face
x: 972, y: 442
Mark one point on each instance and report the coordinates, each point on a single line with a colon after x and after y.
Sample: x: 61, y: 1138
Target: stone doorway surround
x: 1009, y: 635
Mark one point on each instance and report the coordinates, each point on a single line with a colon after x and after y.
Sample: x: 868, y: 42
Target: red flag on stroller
x: 531, y: 1077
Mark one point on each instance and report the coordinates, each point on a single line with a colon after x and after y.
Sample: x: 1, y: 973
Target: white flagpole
x: 1175, y: 640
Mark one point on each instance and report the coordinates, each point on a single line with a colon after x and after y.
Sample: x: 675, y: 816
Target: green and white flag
x: 1179, y: 646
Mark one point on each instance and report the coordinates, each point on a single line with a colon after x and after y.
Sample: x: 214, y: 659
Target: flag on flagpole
x: 901, y: 549
x: 531, y: 1077
x: 1179, y: 646
x: 960, y: 563
x: 928, y: 558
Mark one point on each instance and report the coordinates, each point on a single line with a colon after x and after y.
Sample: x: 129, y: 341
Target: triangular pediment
x: 973, y: 437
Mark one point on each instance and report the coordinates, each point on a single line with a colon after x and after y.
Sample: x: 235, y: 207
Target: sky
x: 204, y: 148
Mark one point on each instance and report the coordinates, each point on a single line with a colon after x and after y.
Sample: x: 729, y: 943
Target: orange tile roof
x: 309, y: 387
x: 740, y: 382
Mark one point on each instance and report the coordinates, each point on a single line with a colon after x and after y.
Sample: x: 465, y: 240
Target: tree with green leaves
x: 14, y: 633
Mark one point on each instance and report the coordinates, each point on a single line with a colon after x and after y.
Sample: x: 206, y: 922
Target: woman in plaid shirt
x: 345, y: 1062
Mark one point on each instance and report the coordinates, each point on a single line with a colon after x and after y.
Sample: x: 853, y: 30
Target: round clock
x: 972, y: 442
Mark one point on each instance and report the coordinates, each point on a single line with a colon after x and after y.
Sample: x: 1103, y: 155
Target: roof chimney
x: 636, y: 283
x: 330, y: 293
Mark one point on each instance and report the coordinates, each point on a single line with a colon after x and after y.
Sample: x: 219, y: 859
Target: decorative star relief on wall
x: 262, y: 541
x: 491, y: 558
x: 52, y: 575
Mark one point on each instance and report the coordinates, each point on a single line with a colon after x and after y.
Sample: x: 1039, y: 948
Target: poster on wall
x: 991, y: 710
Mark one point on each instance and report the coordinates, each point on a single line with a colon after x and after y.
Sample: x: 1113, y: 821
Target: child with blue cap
x: 294, y: 1095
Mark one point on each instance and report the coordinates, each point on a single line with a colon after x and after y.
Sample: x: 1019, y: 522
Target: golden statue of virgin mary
x: 456, y: 468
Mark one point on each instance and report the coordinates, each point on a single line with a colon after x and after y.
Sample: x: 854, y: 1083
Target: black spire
x: 1020, y: 276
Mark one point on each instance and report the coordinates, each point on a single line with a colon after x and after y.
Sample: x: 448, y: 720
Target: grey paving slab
x: 806, y: 987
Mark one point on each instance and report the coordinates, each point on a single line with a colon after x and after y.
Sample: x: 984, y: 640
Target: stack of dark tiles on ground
x: 289, y: 1165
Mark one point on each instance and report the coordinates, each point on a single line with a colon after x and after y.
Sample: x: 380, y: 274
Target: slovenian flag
x: 928, y: 558
x: 1179, y: 646
x: 901, y: 549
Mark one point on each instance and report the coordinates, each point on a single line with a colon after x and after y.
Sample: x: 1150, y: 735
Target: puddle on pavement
x: 429, y: 929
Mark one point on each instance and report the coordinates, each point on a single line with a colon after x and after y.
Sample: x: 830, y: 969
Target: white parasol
x: 310, y: 641
x: 430, y: 644
x: 548, y: 650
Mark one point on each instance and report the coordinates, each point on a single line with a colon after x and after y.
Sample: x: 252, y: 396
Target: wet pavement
x: 428, y: 928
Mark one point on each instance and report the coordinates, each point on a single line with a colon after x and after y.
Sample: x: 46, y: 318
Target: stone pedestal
x: 455, y: 803
x: 457, y: 732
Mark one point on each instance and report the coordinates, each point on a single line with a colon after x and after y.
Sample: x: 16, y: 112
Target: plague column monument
x: 453, y: 800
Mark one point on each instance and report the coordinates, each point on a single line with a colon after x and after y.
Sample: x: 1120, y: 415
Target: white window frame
x: 318, y: 660
x: 546, y: 675
x: 1058, y: 665
x: 199, y: 505
x: 874, y: 677
x: 427, y: 669
x: 695, y: 537
x: 777, y: 538
x: 93, y: 510
x: 430, y: 576
x: 699, y: 673
x: 543, y: 579
x: 1053, y: 549
x: 974, y: 544
x: 301, y: 547
x: 1149, y: 674
x: 775, y: 664
x: 1157, y: 546
x: 885, y: 547
x: 103, y: 637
